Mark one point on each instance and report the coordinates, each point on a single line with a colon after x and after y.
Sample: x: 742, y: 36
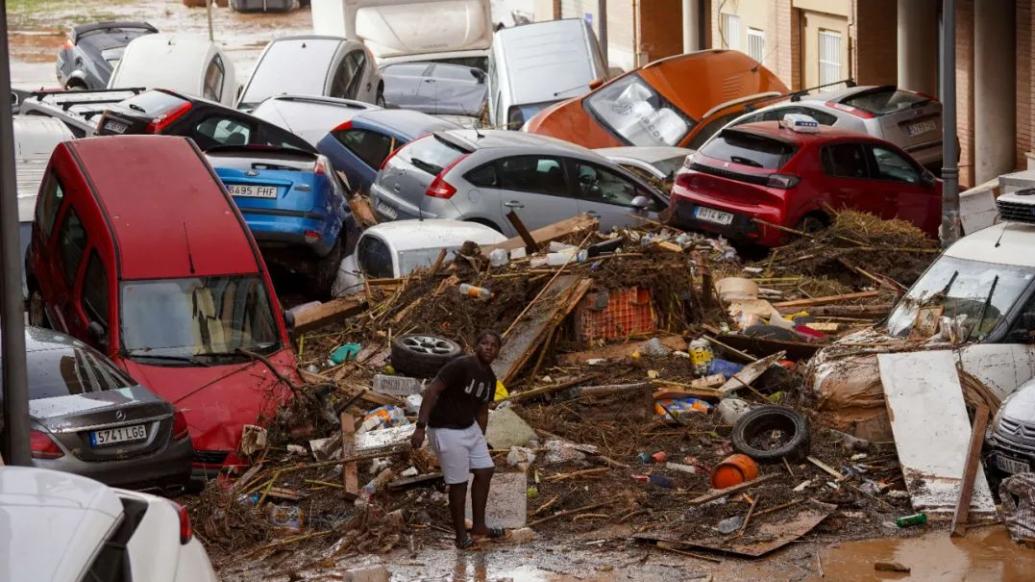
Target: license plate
x: 111, y: 436
x: 253, y: 191
x: 915, y: 129
x: 712, y: 215
x: 1011, y: 466
x: 387, y: 210
x: 115, y: 126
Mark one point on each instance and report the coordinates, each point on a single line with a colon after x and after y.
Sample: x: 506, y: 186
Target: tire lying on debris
x: 768, y: 434
x: 421, y: 355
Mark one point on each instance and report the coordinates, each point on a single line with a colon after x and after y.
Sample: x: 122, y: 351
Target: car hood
x: 1020, y: 406
x: 62, y: 412
x: 218, y: 400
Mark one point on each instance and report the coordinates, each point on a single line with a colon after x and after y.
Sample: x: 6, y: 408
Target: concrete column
x: 995, y: 111
x: 918, y: 45
x: 691, y: 25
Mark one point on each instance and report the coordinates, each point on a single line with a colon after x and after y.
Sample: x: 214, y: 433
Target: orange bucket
x: 734, y: 470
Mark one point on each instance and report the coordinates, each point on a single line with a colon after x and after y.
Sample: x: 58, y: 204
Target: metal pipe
x: 15, y: 431
x: 691, y: 20
x: 208, y: 8
x: 950, y: 231
x: 602, y: 28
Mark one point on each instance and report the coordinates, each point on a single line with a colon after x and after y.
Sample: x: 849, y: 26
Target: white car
x: 60, y: 527
x: 187, y: 64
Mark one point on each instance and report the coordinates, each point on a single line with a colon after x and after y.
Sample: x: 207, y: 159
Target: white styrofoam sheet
x: 932, y: 431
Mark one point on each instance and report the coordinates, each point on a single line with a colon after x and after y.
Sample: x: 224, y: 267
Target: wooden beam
x: 959, y: 518
x: 350, y: 470
x: 576, y: 224
x: 827, y: 299
x: 326, y: 312
x: 531, y: 246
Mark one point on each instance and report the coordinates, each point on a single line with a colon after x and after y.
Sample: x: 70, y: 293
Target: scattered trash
x: 520, y: 456
x: 479, y: 293
x: 731, y: 409
x: 1018, y: 506
x: 770, y: 433
x: 343, y: 353
x: 383, y: 417
x: 730, y: 524
x: 396, y: 385
x: 253, y: 439
x: 558, y: 451
x: 911, y: 520
x: 734, y: 470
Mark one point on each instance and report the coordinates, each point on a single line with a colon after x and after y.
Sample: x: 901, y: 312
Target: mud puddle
x: 985, y: 554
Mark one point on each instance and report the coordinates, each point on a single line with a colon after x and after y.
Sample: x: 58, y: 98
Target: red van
x: 138, y: 250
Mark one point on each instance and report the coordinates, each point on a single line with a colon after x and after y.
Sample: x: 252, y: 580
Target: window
x: 483, y: 177
x: 636, y: 113
x: 710, y: 128
x: 73, y: 244
x: 1023, y: 326
x: 369, y: 146
x: 280, y: 69
x: 845, y: 160
x: 885, y: 101
x: 749, y: 150
x: 602, y: 185
x: 95, y: 290
x: 430, y: 154
x: 892, y: 166
x: 756, y: 44
x: 829, y: 57
x: 536, y: 174
x: 348, y: 76
x: 49, y: 203
x: 778, y: 113
x: 375, y: 258
x: 72, y: 370
x: 731, y: 32
x: 216, y: 131
x: 214, y: 79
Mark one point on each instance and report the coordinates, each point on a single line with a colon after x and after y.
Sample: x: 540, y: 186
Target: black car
x: 89, y: 418
x: 209, y: 124
x: 92, y: 51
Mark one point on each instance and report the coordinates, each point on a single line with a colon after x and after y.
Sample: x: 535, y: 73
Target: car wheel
x: 770, y: 433
x: 76, y: 85
x: 327, y: 269
x: 422, y: 356
x: 37, y: 314
x: 380, y: 99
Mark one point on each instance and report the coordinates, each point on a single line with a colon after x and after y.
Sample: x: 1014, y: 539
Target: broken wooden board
x: 384, y: 441
x: 749, y: 374
x: 335, y: 309
x: 760, y: 538
x: 400, y: 386
x: 360, y: 208
x: 618, y: 351
x: 528, y: 333
x: 932, y: 432
x: 551, y: 232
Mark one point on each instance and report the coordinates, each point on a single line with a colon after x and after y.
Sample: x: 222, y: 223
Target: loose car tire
x: 422, y: 356
x: 794, y: 441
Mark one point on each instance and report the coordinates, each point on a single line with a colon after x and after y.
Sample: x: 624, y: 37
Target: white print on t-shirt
x: 479, y: 392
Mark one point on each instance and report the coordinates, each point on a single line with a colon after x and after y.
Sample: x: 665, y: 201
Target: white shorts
x: 460, y: 451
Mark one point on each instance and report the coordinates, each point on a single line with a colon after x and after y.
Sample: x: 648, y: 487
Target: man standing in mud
x: 455, y: 412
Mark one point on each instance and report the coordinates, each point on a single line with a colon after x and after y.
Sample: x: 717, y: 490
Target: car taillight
x: 163, y: 121
x: 862, y: 113
x: 186, y: 530
x: 43, y: 447
x: 69, y: 44
x: 180, y: 429
x: 439, y: 188
x: 784, y: 181
x: 311, y: 236
x: 343, y: 127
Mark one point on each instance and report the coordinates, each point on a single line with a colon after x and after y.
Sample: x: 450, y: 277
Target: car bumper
x: 287, y: 229
x: 742, y: 228
x: 169, y: 467
x: 389, y: 206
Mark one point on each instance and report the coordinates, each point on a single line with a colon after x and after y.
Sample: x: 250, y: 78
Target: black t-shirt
x: 470, y: 384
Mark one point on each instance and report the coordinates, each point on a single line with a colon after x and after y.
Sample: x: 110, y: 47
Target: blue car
x: 294, y: 205
x: 359, y: 146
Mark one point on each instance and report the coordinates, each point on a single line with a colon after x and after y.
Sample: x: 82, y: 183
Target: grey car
x: 310, y: 118
x: 89, y: 418
x: 92, y: 51
x: 435, y: 88
x: 481, y: 176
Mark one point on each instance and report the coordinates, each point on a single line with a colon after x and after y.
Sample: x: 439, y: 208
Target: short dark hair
x: 488, y: 332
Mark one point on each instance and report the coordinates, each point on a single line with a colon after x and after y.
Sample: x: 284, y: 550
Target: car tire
x: 793, y: 426
x: 422, y: 356
x: 811, y: 223
x: 327, y: 269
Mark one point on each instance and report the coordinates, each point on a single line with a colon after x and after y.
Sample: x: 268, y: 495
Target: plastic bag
x: 383, y: 417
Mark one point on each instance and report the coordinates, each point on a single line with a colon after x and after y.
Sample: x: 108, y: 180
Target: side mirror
x: 640, y: 202
x: 596, y: 83
x: 928, y: 178
x: 98, y: 334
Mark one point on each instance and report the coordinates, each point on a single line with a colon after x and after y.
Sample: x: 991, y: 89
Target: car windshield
x: 748, y: 149
x: 636, y: 112
x: 885, y: 102
x: 980, y: 293
x: 67, y: 371
x: 181, y: 319
x: 279, y: 72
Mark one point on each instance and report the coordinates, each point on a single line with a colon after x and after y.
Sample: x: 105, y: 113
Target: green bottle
x: 915, y: 519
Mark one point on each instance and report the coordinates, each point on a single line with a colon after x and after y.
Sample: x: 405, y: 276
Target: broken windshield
x: 982, y: 293
x: 636, y: 112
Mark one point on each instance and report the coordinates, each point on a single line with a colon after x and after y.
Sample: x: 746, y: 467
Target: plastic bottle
x: 479, y: 293
x: 910, y: 520
x: 374, y: 486
x: 701, y: 355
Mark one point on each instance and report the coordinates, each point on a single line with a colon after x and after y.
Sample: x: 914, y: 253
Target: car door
x: 908, y: 195
x: 93, y: 309
x: 403, y: 84
x: 349, y: 79
x: 45, y: 270
x: 846, y: 180
x: 533, y: 186
x: 70, y: 242
x: 608, y: 195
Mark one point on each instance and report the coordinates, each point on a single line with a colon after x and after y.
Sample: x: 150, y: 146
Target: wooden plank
x: 724, y: 492
x: 545, y: 235
x: 959, y: 518
x: 334, y: 309
x: 531, y: 246
x: 529, y: 331
x: 350, y: 470
x: 827, y: 299
x: 932, y: 431
x: 360, y: 207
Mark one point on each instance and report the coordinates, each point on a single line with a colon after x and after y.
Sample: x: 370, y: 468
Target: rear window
x: 153, y: 103
x: 749, y: 150
x: 430, y: 154
x: 279, y: 72
x: 375, y: 258
x: 885, y: 102
x: 64, y: 372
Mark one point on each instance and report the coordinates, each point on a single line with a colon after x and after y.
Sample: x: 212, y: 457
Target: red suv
x: 139, y: 251
x: 792, y: 174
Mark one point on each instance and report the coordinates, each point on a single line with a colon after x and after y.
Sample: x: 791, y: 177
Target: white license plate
x: 1011, y: 466
x: 915, y: 129
x: 712, y: 215
x: 115, y: 126
x: 387, y: 210
x: 253, y: 191
x: 111, y: 436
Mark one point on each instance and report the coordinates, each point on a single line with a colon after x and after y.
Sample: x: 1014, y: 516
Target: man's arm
x: 483, y: 416
x: 431, y: 394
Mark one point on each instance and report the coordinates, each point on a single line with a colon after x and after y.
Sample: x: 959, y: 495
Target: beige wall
x: 621, y: 27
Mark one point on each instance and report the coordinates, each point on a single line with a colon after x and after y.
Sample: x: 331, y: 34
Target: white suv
x: 62, y: 527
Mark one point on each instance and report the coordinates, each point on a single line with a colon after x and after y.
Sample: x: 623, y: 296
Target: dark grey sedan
x: 89, y: 418
x: 92, y: 51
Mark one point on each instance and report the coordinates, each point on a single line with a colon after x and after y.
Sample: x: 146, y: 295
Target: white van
x: 188, y: 64
x: 535, y: 65
x: 444, y: 31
